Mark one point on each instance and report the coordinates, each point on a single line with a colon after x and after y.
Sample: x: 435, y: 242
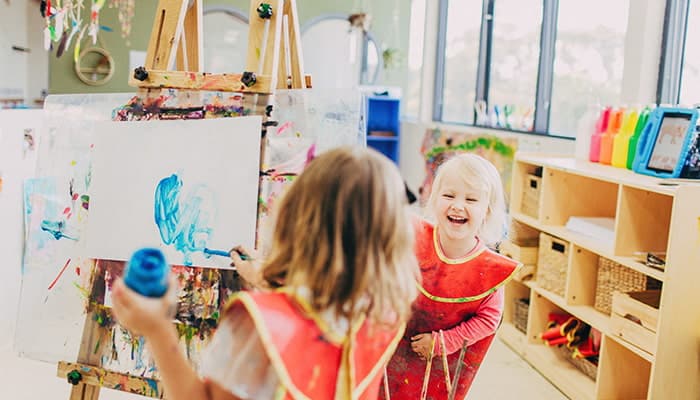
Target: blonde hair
x: 343, y: 232
x: 479, y: 173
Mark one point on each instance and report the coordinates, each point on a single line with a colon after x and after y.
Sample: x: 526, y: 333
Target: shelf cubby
x: 565, y: 195
x: 623, y: 373
x: 520, y: 177
x: 643, y: 223
x: 517, y: 291
x: 540, y: 308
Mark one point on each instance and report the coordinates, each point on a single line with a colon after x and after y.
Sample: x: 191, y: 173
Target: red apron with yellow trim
x: 457, y: 291
x: 310, y: 365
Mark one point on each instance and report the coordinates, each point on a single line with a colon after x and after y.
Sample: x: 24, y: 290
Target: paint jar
x: 147, y: 272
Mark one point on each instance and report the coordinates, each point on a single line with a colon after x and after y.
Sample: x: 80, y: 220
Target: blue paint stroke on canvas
x: 51, y: 220
x: 183, y: 221
x: 57, y: 229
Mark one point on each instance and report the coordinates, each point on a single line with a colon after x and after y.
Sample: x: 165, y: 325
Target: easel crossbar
x: 94, y: 376
x: 203, y: 81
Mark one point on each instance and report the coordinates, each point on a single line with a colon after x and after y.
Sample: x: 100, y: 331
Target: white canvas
x: 217, y: 163
x: 19, y: 136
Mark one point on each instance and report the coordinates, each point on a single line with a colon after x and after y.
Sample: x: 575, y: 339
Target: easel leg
x: 82, y: 391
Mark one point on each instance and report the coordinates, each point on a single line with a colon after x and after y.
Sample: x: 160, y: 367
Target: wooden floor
x: 504, y: 375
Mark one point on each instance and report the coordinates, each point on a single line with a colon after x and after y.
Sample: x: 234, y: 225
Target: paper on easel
x: 182, y: 186
x: 601, y: 228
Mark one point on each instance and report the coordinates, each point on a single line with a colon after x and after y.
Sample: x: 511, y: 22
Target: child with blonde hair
x: 461, y: 300
x: 343, y: 248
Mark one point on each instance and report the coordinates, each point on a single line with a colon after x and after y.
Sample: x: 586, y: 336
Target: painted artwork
x: 17, y: 163
x: 106, y: 188
x: 163, y: 196
x: 439, y: 145
x: 201, y: 293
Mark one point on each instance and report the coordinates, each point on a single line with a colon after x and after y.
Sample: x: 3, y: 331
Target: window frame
x: 668, y: 81
x: 668, y: 89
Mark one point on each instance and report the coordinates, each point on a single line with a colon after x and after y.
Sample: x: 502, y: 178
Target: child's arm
x: 482, y: 324
x: 249, y: 268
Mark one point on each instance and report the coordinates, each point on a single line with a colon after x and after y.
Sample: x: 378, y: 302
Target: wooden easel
x: 176, y: 39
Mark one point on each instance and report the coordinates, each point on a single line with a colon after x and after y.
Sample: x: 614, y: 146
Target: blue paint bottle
x: 147, y: 272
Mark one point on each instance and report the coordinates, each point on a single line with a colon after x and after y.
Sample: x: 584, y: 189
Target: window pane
x: 690, y: 83
x: 515, y: 56
x: 588, y: 61
x: 415, y: 59
x: 461, y: 60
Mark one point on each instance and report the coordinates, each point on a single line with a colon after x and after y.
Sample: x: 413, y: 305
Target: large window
x: 690, y: 83
x: 462, y: 36
x: 589, y: 60
x: 514, y: 60
x: 415, y: 59
x: 548, y: 61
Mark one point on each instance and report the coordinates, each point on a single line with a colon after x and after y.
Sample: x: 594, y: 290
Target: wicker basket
x: 531, y: 196
x: 614, y: 277
x: 552, y: 261
x: 523, y: 235
x: 582, y: 364
x: 520, y: 314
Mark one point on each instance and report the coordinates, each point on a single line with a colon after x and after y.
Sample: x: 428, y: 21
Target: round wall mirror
x: 94, y: 66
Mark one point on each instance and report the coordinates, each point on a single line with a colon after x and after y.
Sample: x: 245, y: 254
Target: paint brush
x: 445, y: 364
x: 458, y: 371
x: 223, y: 253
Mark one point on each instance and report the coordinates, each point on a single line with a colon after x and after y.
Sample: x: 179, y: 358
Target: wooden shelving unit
x: 651, y: 215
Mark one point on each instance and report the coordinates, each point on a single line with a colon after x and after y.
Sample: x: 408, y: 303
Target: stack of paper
x: 601, y: 228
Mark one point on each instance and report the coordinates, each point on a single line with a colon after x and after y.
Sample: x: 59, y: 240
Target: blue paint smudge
x: 56, y: 229
x: 139, y: 353
x: 182, y: 223
x: 153, y: 385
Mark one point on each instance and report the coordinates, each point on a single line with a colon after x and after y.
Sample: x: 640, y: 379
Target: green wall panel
x: 62, y: 77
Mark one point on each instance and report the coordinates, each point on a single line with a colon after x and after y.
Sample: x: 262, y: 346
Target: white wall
x: 23, y: 74
x: 38, y: 60
x: 13, y: 32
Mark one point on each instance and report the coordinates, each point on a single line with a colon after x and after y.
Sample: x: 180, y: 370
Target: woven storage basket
x: 552, y: 261
x: 614, y: 277
x: 523, y: 235
x: 531, y: 196
x: 587, y: 367
x: 520, y: 314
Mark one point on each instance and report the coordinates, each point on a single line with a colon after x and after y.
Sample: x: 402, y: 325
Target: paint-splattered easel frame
x: 274, y: 61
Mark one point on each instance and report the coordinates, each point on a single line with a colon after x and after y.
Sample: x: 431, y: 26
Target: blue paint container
x: 147, y: 272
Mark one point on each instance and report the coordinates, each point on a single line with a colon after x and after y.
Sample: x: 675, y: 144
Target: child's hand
x: 422, y: 344
x: 248, y: 269
x: 143, y: 315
